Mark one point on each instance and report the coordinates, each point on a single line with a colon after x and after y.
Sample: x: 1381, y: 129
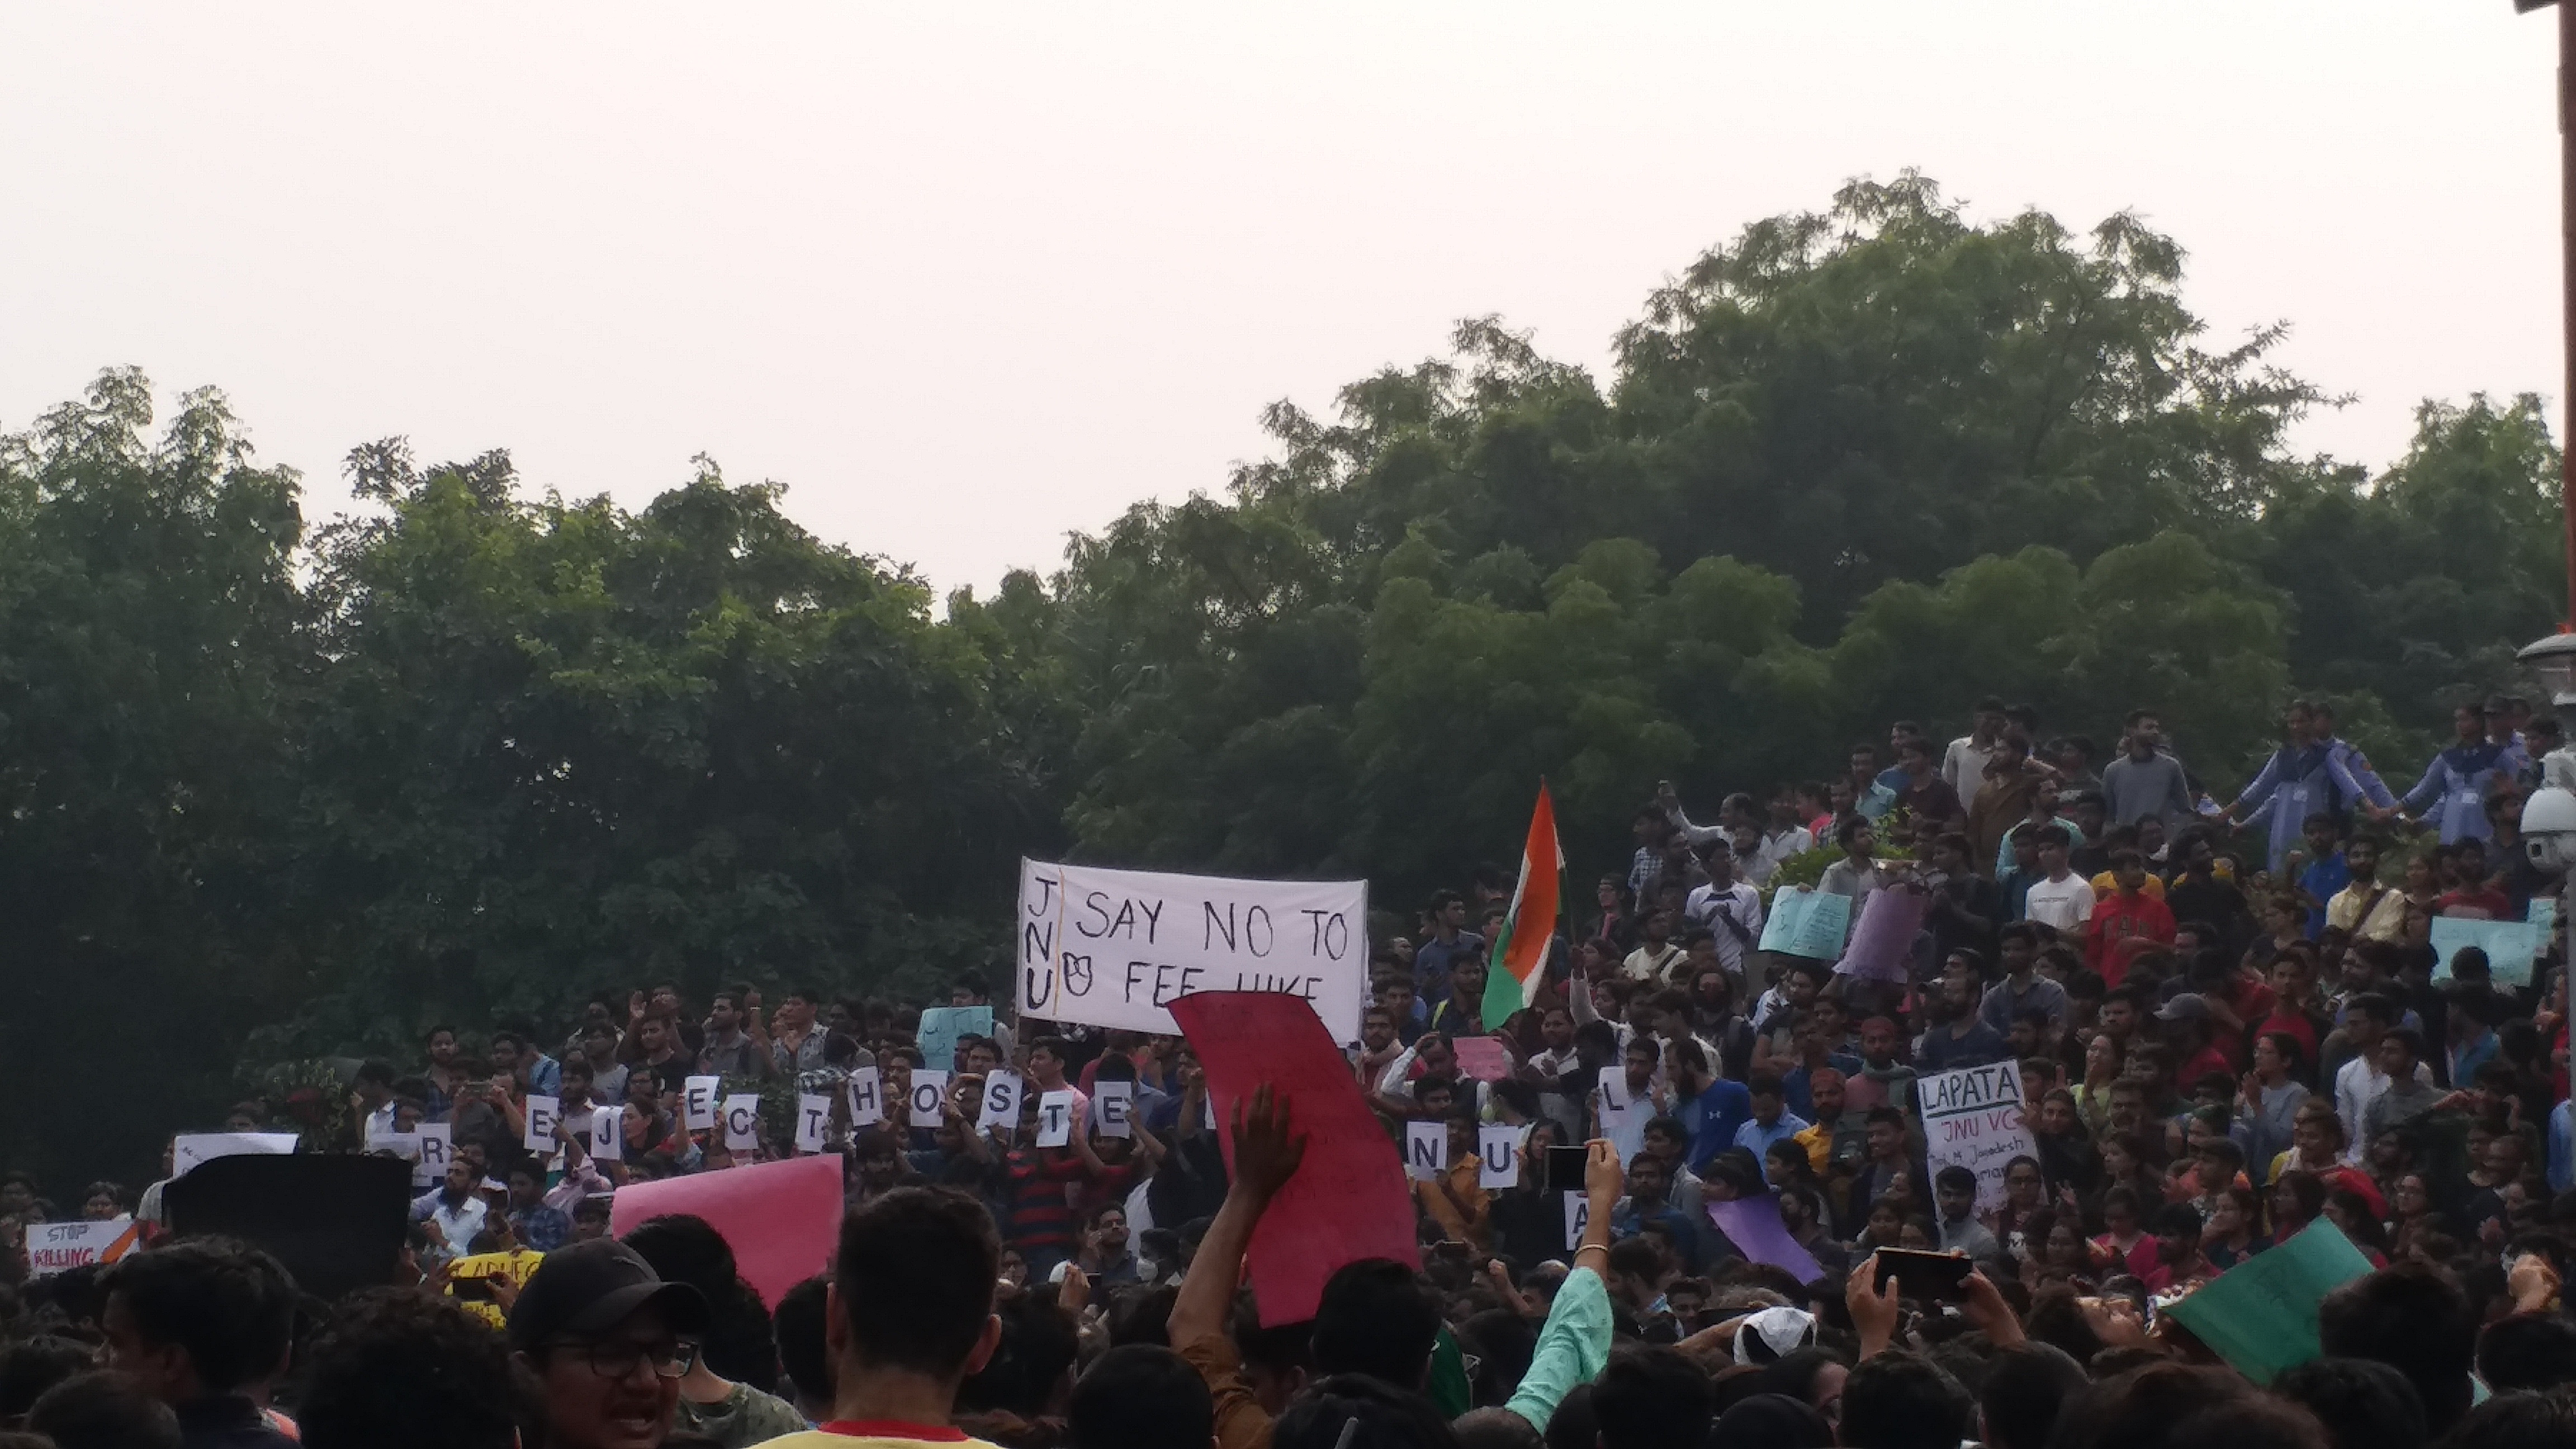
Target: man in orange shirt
x: 2128, y: 914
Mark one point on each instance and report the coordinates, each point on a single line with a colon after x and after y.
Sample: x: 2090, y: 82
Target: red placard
x: 1348, y: 1200
x: 782, y: 1218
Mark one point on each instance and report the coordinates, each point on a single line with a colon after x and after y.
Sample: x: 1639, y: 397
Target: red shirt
x: 2480, y: 902
x: 2118, y: 919
x: 2210, y: 1059
x: 2296, y: 1024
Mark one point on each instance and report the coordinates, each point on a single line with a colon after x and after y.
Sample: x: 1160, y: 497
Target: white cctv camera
x: 2549, y: 830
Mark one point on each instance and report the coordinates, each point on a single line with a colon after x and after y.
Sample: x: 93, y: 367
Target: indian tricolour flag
x: 1519, y: 964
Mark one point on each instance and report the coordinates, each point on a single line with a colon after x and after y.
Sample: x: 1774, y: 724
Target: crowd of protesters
x: 2228, y: 1021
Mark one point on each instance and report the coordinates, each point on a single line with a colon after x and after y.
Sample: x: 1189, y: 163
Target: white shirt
x: 1779, y: 845
x: 2064, y: 905
x: 458, y: 1224
x: 2359, y: 1083
x: 1739, y: 903
x: 1964, y: 766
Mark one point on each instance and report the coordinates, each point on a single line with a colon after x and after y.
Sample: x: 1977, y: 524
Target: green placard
x: 2261, y: 1315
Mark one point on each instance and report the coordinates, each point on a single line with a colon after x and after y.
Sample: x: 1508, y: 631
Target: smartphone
x: 471, y: 1290
x: 1565, y: 1169
x: 1923, y: 1275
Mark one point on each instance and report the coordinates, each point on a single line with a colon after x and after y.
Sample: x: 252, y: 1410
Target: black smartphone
x: 1923, y: 1275
x: 471, y: 1290
x: 1565, y: 1169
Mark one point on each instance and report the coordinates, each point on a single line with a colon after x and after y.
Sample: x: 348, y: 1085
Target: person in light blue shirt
x: 1771, y: 1122
x: 1872, y: 796
x: 2453, y: 792
x: 2303, y: 777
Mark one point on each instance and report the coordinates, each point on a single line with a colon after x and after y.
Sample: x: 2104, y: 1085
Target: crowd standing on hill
x: 2228, y: 1022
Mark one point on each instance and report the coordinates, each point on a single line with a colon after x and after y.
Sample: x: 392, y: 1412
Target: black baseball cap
x: 589, y: 1288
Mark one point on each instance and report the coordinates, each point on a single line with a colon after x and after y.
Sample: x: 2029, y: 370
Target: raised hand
x: 1265, y: 1154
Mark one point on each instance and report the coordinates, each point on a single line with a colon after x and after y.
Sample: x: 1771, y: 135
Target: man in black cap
x: 609, y: 1342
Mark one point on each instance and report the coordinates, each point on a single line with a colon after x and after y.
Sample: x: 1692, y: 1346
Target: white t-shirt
x: 2062, y: 904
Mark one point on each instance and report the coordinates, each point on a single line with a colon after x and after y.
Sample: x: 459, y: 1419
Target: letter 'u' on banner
x: 1426, y: 1149
x: 813, y: 1115
x: 867, y: 1098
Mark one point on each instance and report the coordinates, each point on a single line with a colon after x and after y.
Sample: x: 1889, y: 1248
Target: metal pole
x: 2567, y: 299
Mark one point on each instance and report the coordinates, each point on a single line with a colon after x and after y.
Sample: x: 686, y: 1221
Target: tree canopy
x: 275, y: 791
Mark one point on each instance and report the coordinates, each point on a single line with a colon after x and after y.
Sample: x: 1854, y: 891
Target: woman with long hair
x: 2298, y: 1199
x: 2412, y: 1216
x: 2351, y: 1212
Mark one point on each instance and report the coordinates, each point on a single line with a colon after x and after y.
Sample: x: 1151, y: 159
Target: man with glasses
x: 608, y: 1342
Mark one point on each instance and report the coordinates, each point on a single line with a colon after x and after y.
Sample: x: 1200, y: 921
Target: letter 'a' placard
x: 1113, y: 1106
x: 1115, y: 948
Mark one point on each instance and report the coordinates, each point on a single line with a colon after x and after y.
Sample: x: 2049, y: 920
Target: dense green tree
x: 474, y: 753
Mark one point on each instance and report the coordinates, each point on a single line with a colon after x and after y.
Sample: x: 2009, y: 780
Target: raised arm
x: 1574, y: 1344
x: 1265, y: 1158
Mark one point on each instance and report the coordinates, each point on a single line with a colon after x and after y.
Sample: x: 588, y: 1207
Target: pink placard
x: 1349, y: 1199
x: 1482, y: 1058
x: 782, y: 1218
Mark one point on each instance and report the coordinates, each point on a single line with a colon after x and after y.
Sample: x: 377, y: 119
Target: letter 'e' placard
x: 1115, y: 948
x: 698, y: 1103
x: 1113, y: 1106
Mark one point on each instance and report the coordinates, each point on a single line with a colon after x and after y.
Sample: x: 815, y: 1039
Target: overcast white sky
x: 970, y: 277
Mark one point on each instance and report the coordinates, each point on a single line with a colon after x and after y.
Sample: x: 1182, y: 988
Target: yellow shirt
x: 1818, y: 1139
x: 2106, y: 886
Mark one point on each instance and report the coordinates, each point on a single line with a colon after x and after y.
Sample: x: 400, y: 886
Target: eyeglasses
x: 619, y: 1358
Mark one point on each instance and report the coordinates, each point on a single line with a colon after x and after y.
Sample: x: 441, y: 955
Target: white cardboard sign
x: 813, y: 1116
x: 742, y: 1121
x: 542, y: 1115
x: 1113, y: 1106
x: 929, y: 1090
x: 1115, y: 948
x: 192, y: 1149
x: 1972, y: 1118
x: 1055, y: 1119
x: 1498, y: 1155
x: 867, y: 1097
x: 60, y: 1247
x: 1002, y: 1093
x: 698, y: 1103
x: 1426, y: 1150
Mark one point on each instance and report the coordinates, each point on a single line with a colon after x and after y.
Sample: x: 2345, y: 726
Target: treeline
x: 268, y: 791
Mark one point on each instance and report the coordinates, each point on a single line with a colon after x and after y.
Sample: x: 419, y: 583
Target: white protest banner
x: 1002, y: 1092
x: 1578, y: 1216
x: 813, y: 1115
x: 742, y: 1121
x: 929, y: 1090
x: 1055, y: 1119
x: 1972, y: 1118
x: 607, y: 1134
x: 542, y: 1115
x: 698, y: 1103
x: 1498, y: 1154
x: 867, y: 1097
x: 189, y: 1149
x: 1426, y: 1150
x: 59, y: 1247
x: 1113, y: 1106
x: 437, y: 1149
x: 405, y: 1145
x: 1115, y: 948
